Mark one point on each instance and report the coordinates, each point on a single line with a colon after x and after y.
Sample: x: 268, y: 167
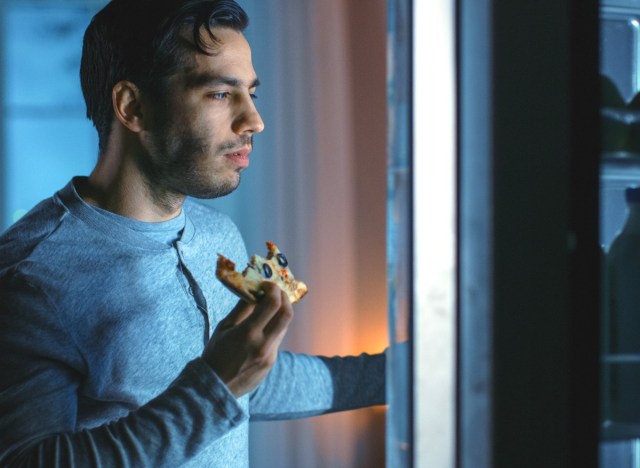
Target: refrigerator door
x: 528, y: 253
x: 422, y: 234
x: 494, y: 262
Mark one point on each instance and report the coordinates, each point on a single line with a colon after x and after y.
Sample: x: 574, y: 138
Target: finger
x: 268, y: 305
x: 239, y: 313
x: 275, y: 331
x: 278, y: 325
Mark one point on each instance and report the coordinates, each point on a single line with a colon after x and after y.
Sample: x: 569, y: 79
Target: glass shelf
x: 623, y: 365
x: 623, y: 160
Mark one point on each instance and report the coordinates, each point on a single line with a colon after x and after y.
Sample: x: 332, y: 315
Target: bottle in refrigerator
x: 622, y: 340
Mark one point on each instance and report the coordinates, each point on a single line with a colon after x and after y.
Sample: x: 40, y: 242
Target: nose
x: 248, y: 119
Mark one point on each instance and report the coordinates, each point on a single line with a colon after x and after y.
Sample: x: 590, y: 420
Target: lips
x: 239, y: 157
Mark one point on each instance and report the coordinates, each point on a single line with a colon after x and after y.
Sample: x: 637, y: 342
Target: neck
x: 116, y: 184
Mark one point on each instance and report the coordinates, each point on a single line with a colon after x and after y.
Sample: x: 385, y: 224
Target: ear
x: 127, y: 107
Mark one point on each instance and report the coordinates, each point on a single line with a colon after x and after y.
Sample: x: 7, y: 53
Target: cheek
x: 189, y: 132
x: 211, y: 119
x: 192, y: 128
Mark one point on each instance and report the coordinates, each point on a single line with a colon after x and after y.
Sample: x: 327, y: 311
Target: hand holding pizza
x: 244, y: 345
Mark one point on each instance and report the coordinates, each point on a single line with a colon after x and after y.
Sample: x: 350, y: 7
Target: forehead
x: 230, y: 56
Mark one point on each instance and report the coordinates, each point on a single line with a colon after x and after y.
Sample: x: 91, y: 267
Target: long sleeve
x: 301, y: 385
x: 168, y: 431
x: 41, y: 372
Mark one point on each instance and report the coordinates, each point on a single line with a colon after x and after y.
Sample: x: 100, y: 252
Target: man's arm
x: 41, y: 372
x: 160, y: 433
x: 301, y: 385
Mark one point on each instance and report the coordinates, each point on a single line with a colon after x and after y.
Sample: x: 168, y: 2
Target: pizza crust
x: 273, y: 268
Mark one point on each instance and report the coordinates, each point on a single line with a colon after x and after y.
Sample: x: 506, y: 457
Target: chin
x: 207, y: 192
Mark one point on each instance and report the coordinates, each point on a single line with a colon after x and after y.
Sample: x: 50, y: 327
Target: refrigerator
x: 505, y: 192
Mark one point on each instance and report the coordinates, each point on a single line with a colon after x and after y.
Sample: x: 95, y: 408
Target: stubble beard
x: 177, y: 170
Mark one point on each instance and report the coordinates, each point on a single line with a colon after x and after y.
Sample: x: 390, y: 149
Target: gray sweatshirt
x: 103, y: 320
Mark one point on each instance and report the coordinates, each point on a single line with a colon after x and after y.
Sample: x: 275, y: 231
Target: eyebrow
x: 207, y: 80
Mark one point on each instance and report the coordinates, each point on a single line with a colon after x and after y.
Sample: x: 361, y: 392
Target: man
x: 117, y: 345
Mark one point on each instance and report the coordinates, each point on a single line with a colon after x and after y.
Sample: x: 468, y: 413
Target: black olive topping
x: 267, y: 270
x: 282, y: 260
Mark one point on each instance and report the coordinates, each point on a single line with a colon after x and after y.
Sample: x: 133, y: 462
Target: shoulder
x: 20, y: 240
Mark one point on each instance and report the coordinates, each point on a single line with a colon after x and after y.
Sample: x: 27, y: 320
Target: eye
x: 254, y: 96
x: 219, y: 96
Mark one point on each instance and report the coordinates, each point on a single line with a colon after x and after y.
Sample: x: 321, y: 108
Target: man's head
x: 142, y: 41
x: 170, y: 84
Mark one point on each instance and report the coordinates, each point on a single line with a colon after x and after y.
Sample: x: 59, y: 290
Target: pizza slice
x: 274, y: 268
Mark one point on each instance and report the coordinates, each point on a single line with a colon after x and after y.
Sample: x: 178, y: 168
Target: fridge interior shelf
x: 620, y: 165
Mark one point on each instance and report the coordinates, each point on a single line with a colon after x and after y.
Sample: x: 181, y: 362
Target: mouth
x: 239, y: 157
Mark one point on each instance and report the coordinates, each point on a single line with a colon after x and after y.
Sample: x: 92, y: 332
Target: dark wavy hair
x: 139, y: 41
